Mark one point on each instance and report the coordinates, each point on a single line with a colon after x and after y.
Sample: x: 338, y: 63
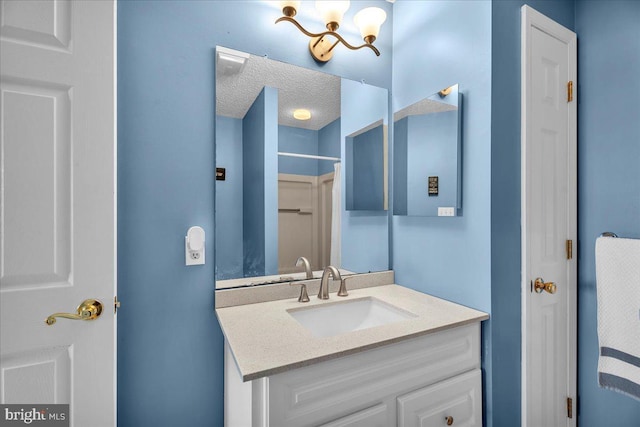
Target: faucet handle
x: 304, y: 296
x: 342, y: 292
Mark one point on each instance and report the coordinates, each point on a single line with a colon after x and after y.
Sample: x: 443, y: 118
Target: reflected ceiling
x: 298, y: 88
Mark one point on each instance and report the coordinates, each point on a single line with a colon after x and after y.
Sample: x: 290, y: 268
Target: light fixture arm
x: 319, y: 36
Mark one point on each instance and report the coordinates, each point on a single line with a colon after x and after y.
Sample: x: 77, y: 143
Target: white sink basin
x: 346, y: 316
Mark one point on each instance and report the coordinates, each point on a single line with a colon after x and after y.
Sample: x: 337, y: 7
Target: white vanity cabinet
x: 429, y: 380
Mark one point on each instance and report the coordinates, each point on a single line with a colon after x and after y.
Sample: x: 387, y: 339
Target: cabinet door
x: 456, y: 402
x: 325, y: 391
x: 376, y: 416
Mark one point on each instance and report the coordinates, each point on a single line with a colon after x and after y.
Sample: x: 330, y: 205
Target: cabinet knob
x: 449, y: 420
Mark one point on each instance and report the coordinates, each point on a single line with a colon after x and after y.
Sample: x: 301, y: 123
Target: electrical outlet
x: 446, y: 211
x: 194, y: 246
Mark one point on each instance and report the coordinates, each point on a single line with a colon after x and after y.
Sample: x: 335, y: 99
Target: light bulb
x: 332, y: 12
x: 301, y: 114
x: 369, y: 20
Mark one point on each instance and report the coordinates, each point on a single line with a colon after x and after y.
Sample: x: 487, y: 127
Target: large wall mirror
x: 428, y: 156
x: 281, y: 133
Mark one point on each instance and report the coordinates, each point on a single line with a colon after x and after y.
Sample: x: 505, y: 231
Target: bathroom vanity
x: 398, y: 357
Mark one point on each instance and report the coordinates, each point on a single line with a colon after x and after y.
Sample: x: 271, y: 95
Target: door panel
x: 46, y: 24
x: 39, y: 377
x: 36, y: 184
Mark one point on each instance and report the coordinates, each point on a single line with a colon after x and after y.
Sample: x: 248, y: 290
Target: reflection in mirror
x: 366, y: 170
x: 427, y: 156
x: 282, y: 191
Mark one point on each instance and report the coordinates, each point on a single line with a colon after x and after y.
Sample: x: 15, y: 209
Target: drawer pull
x: 449, y: 420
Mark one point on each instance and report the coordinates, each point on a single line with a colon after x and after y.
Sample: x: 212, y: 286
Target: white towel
x: 618, y: 289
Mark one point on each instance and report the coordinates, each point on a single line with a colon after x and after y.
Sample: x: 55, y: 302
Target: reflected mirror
x: 281, y: 133
x: 427, y: 156
x: 366, y: 171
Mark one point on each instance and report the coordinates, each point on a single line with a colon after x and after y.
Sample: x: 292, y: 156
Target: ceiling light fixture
x: 301, y: 114
x: 368, y: 21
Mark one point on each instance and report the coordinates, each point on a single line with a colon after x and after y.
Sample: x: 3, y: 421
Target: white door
x: 548, y: 222
x: 325, y: 208
x: 57, y: 194
x: 297, y: 221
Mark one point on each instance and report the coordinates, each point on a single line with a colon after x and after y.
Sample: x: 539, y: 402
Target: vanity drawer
x: 326, y: 391
x: 376, y: 416
x: 456, y: 402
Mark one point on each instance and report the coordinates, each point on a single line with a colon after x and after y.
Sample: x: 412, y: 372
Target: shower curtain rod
x: 308, y: 156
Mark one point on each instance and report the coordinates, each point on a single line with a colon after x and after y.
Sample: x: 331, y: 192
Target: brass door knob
x: 449, y: 420
x: 89, y: 309
x: 539, y: 285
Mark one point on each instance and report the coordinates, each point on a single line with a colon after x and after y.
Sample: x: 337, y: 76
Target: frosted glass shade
x: 369, y: 20
x: 332, y: 11
x: 293, y: 4
x: 289, y: 8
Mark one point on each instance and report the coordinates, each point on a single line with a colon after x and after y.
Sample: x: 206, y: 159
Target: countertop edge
x: 312, y: 361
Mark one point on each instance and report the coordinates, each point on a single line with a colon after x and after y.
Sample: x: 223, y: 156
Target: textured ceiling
x: 297, y: 88
x: 424, y: 106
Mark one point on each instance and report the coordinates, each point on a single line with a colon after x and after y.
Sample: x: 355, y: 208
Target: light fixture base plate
x: 320, y: 49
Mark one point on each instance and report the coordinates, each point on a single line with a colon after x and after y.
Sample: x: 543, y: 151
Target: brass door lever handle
x: 88, y: 310
x: 539, y: 285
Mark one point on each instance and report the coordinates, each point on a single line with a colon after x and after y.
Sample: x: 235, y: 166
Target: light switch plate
x: 446, y: 211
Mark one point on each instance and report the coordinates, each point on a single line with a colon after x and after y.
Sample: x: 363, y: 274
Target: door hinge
x: 570, y: 91
x: 116, y: 304
x: 569, y: 249
x: 569, y: 407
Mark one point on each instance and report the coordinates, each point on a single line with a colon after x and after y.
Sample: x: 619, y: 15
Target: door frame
x: 530, y: 18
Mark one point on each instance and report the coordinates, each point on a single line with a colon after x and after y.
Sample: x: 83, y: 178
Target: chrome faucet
x: 307, y: 266
x: 324, y: 282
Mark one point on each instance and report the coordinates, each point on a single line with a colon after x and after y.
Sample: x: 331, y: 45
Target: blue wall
x: 444, y: 256
x: 328, y: 146
x: 400, y: 166
x: 429, y: 146
x: 170, y: 361
x: 364, y: 235
x: 260, y: 185
x: 228, y: 239
x: 505, y: 200
x: 323, y: 142
x: 365, y: 170
x: 608, y: 177
x: 300, y: 141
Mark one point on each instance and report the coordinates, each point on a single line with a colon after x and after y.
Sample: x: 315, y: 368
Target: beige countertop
x: 265, y: 339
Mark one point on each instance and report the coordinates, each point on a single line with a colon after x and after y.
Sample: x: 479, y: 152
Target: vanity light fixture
x: 368, y: 21
x: 301, y: 114
x: 444, y: 92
